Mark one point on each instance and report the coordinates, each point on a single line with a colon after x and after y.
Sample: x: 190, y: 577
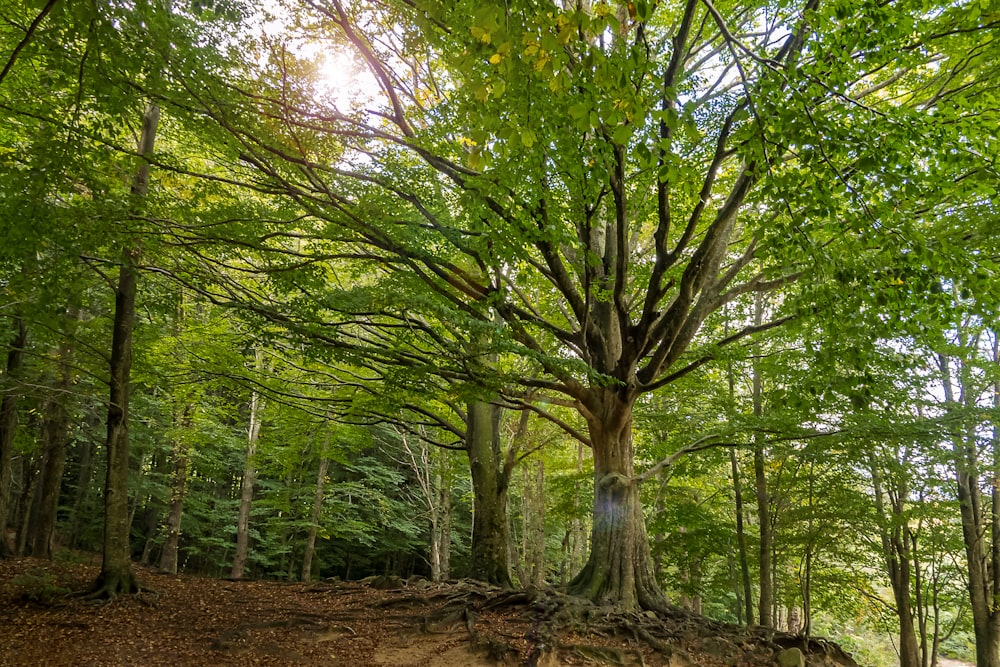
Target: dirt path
x: 189, y: 621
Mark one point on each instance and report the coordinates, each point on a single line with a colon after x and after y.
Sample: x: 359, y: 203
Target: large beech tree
x: 579, y: 187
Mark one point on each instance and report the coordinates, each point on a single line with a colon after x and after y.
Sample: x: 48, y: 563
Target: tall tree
x: 8, y: 424
x: 249, y: 475
x: 116, y: 574
x: 586, y: 185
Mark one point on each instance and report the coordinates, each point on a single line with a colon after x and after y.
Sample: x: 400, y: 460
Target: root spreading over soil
x: 181, y: 620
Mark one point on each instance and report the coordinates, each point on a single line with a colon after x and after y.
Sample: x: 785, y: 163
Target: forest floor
x: 183, y: 620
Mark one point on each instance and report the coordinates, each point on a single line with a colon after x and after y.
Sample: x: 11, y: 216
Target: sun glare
x: 343, y: 81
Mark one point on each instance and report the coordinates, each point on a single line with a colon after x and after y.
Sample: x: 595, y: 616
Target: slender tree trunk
x: 444, y: 517
x: 317, y: 512
x: 766, y: 597
x: 533, y: 527
x: 180, y: 458
x: 8, y: 425
x: 980, y: 525
x: 741, y: 539
x: 31, y: 468
x: 765, y: 602
x: 82, y: 497
x: 56, y: 435
x: 249, y: 478
x: 116, y: 569
x: 490, y: 483
x: 919, y: 598
x: 620, y: 568
x: 578, y: 544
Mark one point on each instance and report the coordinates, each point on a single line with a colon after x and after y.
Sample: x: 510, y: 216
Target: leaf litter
x: 184, y: 620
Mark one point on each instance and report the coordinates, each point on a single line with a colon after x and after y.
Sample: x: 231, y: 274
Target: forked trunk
x: 620, y: 568
x: 490, y: 532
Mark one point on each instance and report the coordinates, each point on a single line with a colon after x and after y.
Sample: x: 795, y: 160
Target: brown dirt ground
x: 184, y: 621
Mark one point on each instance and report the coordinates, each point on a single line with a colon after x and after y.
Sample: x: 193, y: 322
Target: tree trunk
x: 56, y: 436
x: 116, y: 569
x: 82, y: 495
x: 181, y: 456
x: 30, y: 499
x: 538, y: 527
x: 317, y: 512
x: 895, y: 551
x: 619, y: 570
x: 741, y: 539
x: 444, y: 517
x: 8, y: 425
x: 980, y: 525
x: 490, y: 530
x: 249, y: 478
x: 55, y: 433
x: 765, y: 602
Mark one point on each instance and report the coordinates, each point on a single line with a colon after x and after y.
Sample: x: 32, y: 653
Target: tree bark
x: 619, y: 570
x: 444, y: 517
x: 56, y: 435
x: 980, y: 525
x: 181, y: 456
x: 249, y: 478
x: 894, y: 537
x: 8, y: 425
x: 116, y: 569
x: 741, y: 539
x: 55, y: 432
x: 83, y: 494
x: 765, y: 601
x: 317, y: 512
x: 490, y: 483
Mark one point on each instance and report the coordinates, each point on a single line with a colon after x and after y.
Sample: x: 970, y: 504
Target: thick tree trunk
x: 116, y: 569
x: 490, y: 530
x: 246, y: 486
x: 620, y: 568
x: 317, y: 512
x: 8, y: 425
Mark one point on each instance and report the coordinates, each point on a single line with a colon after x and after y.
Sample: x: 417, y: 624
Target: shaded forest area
x: 657, y: 310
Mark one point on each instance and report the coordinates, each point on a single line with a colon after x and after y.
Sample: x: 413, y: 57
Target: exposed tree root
x: 546, y: 617
x: 110, y: 585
